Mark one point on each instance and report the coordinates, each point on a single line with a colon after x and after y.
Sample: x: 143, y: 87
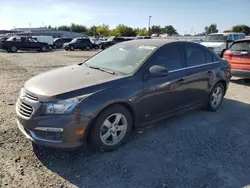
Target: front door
x: 164, y: 95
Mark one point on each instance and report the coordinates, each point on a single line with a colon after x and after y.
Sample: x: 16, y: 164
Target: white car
x: 219, y: 42
x: 47, y: 39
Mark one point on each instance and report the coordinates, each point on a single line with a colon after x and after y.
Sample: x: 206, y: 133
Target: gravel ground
x: 198, y: 149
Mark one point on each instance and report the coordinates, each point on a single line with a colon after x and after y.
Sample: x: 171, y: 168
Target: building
x: 46, y: 32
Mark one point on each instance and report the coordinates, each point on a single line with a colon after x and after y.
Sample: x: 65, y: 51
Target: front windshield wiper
x: 101, y: 69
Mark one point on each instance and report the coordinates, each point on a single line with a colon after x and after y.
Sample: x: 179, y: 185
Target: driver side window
x: 169, y: 56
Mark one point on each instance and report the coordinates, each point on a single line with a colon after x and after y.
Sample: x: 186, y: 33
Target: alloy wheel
x: 113, y: 129
x: 216, y: 97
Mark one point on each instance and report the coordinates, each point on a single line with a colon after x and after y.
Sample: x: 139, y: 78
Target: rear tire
x: 43, y: 48
x: 71, y: 48
x: 216, y: 97
x: 88, y: 48
x: 111, y: 128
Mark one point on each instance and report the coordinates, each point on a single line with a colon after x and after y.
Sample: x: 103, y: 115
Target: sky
x: 187, y: 16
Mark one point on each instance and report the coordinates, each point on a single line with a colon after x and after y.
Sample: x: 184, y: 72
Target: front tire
x: 111, y: 128
x: 216, y: 97
x: 13, y: 49
x: 71, y: 48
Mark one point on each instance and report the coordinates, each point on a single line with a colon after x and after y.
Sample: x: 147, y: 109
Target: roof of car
x: 245, y: 39
x: 225, y: 34
x: 149, y: 42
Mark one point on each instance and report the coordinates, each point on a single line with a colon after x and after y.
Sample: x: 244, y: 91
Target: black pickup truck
x: 13, y: 44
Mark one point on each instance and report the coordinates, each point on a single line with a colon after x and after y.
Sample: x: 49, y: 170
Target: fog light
x: 49, y: 129
x: 80, y: 132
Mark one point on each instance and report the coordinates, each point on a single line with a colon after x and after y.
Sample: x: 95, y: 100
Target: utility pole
x: 149, y: 18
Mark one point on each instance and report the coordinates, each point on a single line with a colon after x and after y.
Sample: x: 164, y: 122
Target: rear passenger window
x: 169, y: 56
x: 194, y: 55
x: 208, y: 57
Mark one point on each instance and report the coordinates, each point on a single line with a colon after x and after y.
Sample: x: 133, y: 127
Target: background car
x: 15, y: 43
x: 238, y: 55
x: 80, y: 43
x: 219, y: 42
x: 58, y: 42
x: 128, y: 85
x: 46, y: 39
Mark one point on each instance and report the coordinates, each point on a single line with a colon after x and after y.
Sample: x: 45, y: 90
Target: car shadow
x: 245, y: 82
x: 197, y: 149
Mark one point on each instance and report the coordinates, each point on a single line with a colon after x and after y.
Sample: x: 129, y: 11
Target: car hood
x: 212, y: 44
x: 69, y: 79
x: 65, y: 44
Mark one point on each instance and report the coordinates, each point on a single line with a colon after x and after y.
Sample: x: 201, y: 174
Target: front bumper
x: 59, y: 131
x: 240, y: 73
x: 66, y: 139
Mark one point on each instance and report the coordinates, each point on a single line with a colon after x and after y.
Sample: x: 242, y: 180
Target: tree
x: 156, y: 29
x: 92, y: 31
x: 78, y: 28
x: 114, y: 32
x: 211, y: 29
x: 63, y: 28
x: 103, y: 30
x: 227, y: 31
x: 142, y: 32
x: 125, y: 31
x: 242, y: 29
x: 170, y: 30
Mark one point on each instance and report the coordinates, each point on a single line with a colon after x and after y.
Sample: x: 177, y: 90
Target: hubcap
x: 113, y: 129
x: 13, y: 48
x: 44, y: 48
x: 216, y: 97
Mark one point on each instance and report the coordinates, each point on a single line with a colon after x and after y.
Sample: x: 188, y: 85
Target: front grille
x: 24, y: 109
x: 31, y: 97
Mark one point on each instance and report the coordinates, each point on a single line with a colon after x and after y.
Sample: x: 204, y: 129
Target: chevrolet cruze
x: 131, y: 84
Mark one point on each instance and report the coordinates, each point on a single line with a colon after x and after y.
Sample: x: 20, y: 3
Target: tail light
x: 228, y: 54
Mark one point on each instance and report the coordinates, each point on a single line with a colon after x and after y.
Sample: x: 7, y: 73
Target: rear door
x: 200, y: 63
x: 240, y: 57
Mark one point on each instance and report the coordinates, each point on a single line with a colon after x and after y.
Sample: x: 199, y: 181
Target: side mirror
x: 158, y: 71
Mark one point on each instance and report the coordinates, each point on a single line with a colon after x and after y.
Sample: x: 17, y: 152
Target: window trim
x: 195, y: 66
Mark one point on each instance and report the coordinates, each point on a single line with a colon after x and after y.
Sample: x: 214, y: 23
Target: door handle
x: 209, y: 73
x: 181, y: 81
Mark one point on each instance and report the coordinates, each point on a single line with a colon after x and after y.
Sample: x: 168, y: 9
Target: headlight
x: 61, y: 107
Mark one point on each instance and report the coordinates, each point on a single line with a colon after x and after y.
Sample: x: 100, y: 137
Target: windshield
x: 121, y: 58
x: 74, y: 40
x: 215, y: 38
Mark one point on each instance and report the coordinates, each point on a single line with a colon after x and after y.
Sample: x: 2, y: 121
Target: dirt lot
x: 198, y: 149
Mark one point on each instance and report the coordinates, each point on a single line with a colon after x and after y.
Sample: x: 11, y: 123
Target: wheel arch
x: 223, y: 82
x: 125, y: 104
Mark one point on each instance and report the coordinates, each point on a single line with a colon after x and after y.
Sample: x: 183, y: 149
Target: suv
x: 58, y: 42
x: 238, y: 55
x: 79, y: 43
x: 219, y: 42
x: 13, y: 44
